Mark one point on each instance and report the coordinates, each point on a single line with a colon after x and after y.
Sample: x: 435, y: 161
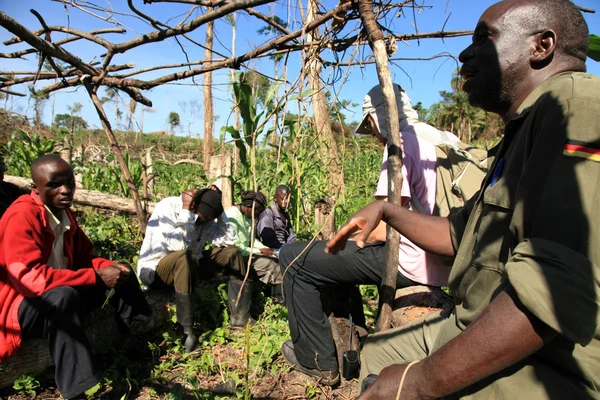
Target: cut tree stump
x: 413, y: 302
x: 101, y: 330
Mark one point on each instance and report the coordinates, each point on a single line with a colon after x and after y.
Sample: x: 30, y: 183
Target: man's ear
x: 544, y: 47
x: 35, y: 188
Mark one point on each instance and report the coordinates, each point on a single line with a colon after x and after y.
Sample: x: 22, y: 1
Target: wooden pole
x: 139, y: 209
x: 375, y: 38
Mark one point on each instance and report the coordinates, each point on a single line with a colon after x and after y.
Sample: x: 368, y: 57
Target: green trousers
x: 181, y: 269
x: 178, y: 270
x: 529, y: 379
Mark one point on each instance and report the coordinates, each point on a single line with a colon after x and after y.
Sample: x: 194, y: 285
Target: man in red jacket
x: 49, y: 278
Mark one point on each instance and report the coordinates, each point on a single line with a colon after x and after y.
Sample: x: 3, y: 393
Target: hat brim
x: 364, y: 128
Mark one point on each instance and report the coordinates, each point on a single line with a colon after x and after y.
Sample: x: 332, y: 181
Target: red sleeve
x: 23, y: 248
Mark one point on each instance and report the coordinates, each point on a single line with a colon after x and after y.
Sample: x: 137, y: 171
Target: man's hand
x: 267, y: 252
x: 386, y: 386
x: 364, y: 220
x: 188, y: 199
x: 113, y: 274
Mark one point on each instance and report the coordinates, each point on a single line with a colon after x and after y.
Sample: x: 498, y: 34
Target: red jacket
x: 25, y: 245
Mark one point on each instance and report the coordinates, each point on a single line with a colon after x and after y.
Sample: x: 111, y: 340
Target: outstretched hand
x: 364, y: 221
x: 113, y: 274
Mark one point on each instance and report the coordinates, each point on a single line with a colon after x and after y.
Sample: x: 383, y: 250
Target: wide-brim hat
x: 373, y: 106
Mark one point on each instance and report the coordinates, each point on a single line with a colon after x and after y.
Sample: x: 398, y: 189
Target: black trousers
x: 314, y: 272
x: 57, y: 316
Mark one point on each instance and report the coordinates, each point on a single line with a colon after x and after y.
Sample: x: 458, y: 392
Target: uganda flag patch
x: 588, y: 150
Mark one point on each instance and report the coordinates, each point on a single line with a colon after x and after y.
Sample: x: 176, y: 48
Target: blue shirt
x: 274, y: 228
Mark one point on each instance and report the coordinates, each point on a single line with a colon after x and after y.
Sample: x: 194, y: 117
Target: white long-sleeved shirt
x: 171, y: 228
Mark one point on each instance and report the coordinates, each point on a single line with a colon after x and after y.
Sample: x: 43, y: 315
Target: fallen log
x: 92, y: 198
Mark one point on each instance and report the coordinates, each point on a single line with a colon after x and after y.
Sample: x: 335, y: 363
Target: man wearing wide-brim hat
x: 312, y: 349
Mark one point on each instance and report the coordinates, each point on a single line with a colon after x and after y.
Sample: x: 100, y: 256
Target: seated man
x: 173, y: 255
x: 526, y: 272
x: 236, y: 229
x: 49, y: 278
x: 8, y: 192
x: 312, y: 349
x: 274, y: 229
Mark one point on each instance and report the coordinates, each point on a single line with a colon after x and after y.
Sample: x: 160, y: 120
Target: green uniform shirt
x: 536, y: 225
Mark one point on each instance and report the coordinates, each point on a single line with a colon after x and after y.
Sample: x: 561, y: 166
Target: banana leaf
x: 594, y: 49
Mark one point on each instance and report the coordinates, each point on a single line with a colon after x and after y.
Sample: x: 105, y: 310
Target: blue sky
x: 422, y: 79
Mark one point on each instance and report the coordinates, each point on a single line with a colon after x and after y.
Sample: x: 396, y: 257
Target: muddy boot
x: 185, y: 317
x: 277, y: 294
x: 239, y: 315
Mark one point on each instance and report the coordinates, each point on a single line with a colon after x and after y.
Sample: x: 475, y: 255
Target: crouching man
x: 50, y: 277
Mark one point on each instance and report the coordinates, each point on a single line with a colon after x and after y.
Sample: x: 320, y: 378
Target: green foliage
x: 172, y: 180
x: 594, y: 49
x: 174, y: 120
x: 67, y: 121
x: 26, y: 385
x: 108, y: 177
x: 115, y: 237
x: 23, y: 149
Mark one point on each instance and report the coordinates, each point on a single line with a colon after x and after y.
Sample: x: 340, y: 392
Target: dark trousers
x: 57, y: 316
x: 313, y: 272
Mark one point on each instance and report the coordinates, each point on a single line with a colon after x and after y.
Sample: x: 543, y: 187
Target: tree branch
x: 160, y: 35
x: 266, y: 19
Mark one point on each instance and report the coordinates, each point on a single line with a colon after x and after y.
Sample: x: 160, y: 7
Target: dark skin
x: 282, y: 198
x: 54, y: 182
x: 488, y: 345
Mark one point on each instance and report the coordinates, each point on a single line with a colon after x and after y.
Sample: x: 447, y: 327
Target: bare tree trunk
x: 375, y: 37
x: 328, y: 149
x: 236, y: 109
x: 139, y: 210
x: 53, y: 101
x: 208, y: 102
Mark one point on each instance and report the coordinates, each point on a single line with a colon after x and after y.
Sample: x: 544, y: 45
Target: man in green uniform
x: 526, y: 274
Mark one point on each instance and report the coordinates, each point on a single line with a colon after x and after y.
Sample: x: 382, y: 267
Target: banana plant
x: 594, y: 48
x: 253, y: 125
x: 23, y: 149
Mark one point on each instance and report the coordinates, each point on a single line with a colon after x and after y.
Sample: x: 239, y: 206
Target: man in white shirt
x: 176, y: 235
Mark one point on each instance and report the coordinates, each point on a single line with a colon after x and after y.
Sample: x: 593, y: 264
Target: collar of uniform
x: 542, y: 88
x: 56, y: 222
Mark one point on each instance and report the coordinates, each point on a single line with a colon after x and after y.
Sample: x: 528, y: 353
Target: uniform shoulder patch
x: 577, y: 148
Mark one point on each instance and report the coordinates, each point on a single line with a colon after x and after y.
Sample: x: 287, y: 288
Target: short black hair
x: 566, y: 20
x: 282, y: 188
x: 44, y: 160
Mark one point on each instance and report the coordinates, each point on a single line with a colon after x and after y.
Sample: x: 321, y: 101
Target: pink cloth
x: 418, y: 171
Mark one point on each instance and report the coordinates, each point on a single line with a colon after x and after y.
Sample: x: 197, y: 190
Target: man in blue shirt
x: 274, y: 229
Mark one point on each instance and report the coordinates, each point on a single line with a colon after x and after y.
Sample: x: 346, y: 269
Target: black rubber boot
x: 185, y: 317
x: 277, y: 293
x: 239, y: 315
